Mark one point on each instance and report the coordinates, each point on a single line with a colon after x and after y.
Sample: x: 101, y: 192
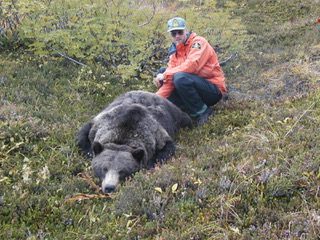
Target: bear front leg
x: 166, y: 152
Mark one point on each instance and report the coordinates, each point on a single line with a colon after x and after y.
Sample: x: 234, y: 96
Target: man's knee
x: 180, y: 78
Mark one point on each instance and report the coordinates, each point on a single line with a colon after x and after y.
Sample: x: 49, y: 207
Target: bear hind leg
x: 166, y: 152
x: 186, y: 121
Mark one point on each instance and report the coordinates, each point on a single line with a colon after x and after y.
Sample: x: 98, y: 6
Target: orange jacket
x: 196, y: 56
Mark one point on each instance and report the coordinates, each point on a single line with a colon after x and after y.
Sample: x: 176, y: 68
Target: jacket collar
x: 173, y: 48
x: 190, y: 37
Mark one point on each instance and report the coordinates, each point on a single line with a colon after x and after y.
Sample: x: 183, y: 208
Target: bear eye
x: 138, y: 154
x: 105, y: 169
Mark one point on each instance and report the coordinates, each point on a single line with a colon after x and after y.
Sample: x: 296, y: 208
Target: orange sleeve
x: 197, y: 57
x: 166, y: 89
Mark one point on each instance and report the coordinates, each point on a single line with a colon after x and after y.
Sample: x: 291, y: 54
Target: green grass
x: 252, y: 172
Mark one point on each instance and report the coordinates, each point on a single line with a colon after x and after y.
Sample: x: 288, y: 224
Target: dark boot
x: 204, y: 117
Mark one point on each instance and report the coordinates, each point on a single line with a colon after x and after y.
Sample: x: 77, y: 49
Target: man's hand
x: 158, y: 80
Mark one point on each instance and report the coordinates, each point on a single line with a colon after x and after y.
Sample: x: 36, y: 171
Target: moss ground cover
x: 252, y: 172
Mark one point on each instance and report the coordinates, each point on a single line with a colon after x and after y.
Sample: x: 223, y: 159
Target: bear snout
x: 110, y: 181
x: 109, y: 189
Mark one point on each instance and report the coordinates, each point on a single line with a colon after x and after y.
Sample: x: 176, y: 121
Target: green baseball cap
x: 176, y: 23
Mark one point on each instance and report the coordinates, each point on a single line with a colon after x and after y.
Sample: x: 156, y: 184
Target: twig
x: 69, y: 58
x: 83, y: 196
x: 298, y: 120
x: 149, y: 20
x: 89, y: 180
x: 14, y: 147
x: 232, y: 56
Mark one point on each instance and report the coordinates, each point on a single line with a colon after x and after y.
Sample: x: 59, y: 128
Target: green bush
x: 128, y: 38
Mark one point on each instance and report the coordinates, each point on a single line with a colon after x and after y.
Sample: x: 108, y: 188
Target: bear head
x: 114, y: 163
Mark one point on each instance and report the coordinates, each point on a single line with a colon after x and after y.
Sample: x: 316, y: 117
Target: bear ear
x: 138, y: 154
x: 83, y: 140
x: 97, y: 148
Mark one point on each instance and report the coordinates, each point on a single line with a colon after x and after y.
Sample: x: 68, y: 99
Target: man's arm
x: 166, y: 84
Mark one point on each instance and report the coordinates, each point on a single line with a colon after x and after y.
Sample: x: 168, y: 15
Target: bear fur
x: 135, y: 131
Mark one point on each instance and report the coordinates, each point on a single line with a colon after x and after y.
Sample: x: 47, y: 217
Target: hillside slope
x: 252, y: 172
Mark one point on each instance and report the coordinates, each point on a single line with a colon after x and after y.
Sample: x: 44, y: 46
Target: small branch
x: 149, y: 20
x: 69, y: 58
x: 301, y: 116
x: 232, y: 56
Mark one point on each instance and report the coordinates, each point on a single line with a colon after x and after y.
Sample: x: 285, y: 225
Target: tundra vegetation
x: 252, y: 172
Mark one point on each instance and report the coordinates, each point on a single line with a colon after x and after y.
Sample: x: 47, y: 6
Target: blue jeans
x: 193, y: 94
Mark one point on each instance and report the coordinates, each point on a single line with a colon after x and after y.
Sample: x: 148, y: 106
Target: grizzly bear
x: 135, y: 131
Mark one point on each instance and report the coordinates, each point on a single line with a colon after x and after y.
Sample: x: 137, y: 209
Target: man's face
x: 179, y: 36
